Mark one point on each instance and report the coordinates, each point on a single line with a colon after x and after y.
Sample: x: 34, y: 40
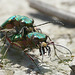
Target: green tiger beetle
x: 26, y: 35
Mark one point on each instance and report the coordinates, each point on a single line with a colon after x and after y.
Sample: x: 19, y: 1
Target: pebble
x: 6, y: 72
x: 2, y: 72
x: 58, y: 73
x: 9, y: 72
x: 20, y: 72
x: 16, y: 66
x: 23, y: 68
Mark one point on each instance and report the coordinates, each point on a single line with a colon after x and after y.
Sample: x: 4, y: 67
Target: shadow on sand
x: 46, y: 18
x: 18, y: 57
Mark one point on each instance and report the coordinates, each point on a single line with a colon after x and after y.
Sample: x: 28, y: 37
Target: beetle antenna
x: 49, y: 22
x: 58, y: 45
x: 64, y: 48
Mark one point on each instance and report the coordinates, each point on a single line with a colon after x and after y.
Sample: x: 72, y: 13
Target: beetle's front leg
x: 38, y: 30
x: 43, y: 48
x: 3, y: 47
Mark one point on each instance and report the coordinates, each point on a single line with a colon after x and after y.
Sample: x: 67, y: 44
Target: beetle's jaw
x: 44, y: 48
x: 44, y: 44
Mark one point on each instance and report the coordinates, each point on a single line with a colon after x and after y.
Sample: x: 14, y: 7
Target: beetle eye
x: 35, y: 37
x: 22, y: 22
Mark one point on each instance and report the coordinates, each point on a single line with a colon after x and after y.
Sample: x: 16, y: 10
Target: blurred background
x: 61, y: 11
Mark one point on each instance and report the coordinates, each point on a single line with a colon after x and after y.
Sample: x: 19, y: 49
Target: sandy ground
x: 17, y: 62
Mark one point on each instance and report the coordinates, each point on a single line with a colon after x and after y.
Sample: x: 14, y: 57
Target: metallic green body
x: 25, y: 35
x: 7, y: 21
x: 18, y: 18
x: 16, y: 37
x: 36, y: 34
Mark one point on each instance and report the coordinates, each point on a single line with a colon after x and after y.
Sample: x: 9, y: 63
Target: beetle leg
x: 3, y: 47
x: 5, y: 53
x: 4, y: 39
x: 42, y: 51
x: 32, y: 60
x: 49, y: 50
x: 38, y: 30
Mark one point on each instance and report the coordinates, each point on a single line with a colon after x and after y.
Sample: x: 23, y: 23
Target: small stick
x: 52, y: 11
